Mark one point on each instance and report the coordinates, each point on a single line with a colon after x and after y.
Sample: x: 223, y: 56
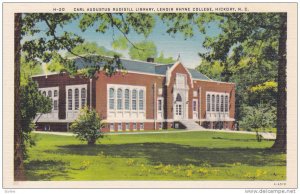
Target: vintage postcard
x: 150, y: 95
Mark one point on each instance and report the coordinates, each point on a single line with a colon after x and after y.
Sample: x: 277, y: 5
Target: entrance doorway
x: 179, y: 109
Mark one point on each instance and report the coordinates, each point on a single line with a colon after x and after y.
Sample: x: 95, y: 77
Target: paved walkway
x: 263, y: 134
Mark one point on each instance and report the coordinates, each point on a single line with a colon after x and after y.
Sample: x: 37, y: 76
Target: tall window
x: 127, y: 126
x: 180, y: 81
x: 127, y: 99
x: 159, y: 105
x: 119, y: 102
x: 55, y: 93
x: 141, y: 100
x: 111, y: 126
x: 218, y: 103
x: 208, y: 102
x: 222, y: 103
x: 70, y: 99
x: 55, y: 101
x: 194, y: 105
x: 226, y: 103
x: 142, y: 126
x: 55, y: 105
x: 134, y: 99
x: 213, y: 103
x: 83, y: 97
x: 120, y: 126
x: 44, y: 93
x: 111, y: 98
x: 50, y: 93
x: 76, y: 99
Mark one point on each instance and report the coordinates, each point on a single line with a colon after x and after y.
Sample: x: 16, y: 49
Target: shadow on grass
x: 46, y: 169
x: 234, y: 139
x: 175, y: 154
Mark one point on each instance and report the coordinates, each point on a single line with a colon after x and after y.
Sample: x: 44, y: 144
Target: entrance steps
x: 191, y: 125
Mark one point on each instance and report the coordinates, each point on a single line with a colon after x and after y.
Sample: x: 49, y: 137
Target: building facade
x: 149, y: 96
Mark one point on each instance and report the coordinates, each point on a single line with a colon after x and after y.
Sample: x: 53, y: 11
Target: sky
x: 170, y: 45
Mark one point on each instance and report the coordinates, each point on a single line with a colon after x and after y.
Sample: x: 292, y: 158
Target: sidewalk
x: 263, y: 134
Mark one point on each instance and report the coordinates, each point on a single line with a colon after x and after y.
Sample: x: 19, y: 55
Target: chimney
x: 150, y: 59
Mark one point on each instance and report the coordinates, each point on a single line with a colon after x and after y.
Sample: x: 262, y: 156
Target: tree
x: 238, y: 31
x: 51, y: 39
x: 32, y: 102
x: 27, y: 70
x: 85, y: 49
x: 92, y: 48
x: 141, y: 50
x: 162, y: 59
x: 87, y: 126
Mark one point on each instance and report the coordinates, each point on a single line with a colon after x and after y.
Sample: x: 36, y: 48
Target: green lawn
x: 165, y: 156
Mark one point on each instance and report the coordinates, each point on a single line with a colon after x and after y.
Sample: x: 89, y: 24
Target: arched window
x: 119, y: 101
x: 222, y: 103
x: 178, y: 98
x: 218, y: 103
x: 213, y: 103
x: 69, y: 99
x: 44, y: 93
x: 141, y: 100
x: 111, y: 98
x: 226, y: 103
x: 83, y: 97
x: 50, y: 93
x: 208, y: 102
x: 76, y: 99
x: 133, y: 99
x: 127, y: 99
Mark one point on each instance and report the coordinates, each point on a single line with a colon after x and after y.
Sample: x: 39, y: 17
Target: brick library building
x: 149, y: 96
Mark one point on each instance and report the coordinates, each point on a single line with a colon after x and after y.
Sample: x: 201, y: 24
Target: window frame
x: 208, y: 103
x: 142, y: 126
x: 133, y: 100
x: 119, y: 99
x: 141, y: 100
x: 195, y: 105
x: 76, y: 99
x: 127, y: 100
x: 111, y: 99
x: 226, y: 104
x: 83, y: 97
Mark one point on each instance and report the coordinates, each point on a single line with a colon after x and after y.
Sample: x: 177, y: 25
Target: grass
x: 161, y: 156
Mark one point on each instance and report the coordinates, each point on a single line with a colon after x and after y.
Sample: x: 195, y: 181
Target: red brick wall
x: 61, y: 81
x: 206, y: 86
x: 99, y: 87
x: 126, y: 79
x: 169, y: 100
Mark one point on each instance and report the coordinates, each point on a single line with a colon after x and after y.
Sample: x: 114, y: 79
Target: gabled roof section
x: 143, y: 67
x: 162, y: 69
x: 197, y: 75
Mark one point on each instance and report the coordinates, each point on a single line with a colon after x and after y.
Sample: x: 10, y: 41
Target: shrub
x: 87, y: 126
x: 255, y: 118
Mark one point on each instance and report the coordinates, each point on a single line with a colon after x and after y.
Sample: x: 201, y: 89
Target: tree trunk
x: 281, y: 140
x: 18, y: 141
x: 91, y: 142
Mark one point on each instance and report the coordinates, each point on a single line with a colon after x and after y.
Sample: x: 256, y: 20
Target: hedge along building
x: 148, y: 96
